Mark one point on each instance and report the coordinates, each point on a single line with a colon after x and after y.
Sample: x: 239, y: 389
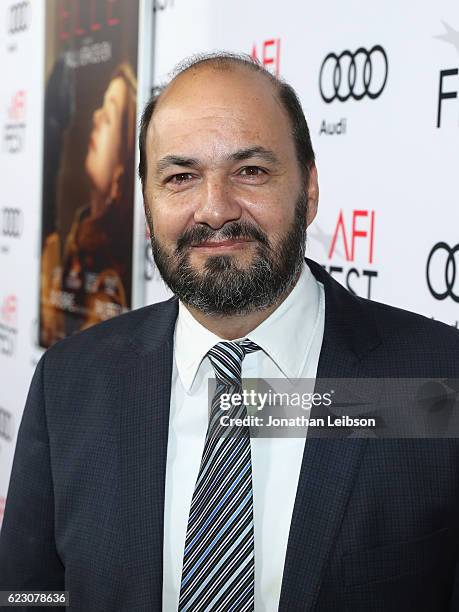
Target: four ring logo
x: 18, y: 17
x: 12, y: 222
x: 354, y: 75
x: 444, y: 258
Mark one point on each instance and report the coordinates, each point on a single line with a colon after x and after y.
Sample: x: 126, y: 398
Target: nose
x: 96, y: 116
x: 217, y: 205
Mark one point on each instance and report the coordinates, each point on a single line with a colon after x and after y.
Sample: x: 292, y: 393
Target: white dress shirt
x: 290, y: 339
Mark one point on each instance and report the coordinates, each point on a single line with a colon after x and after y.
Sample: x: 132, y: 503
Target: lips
x: 222, y: 243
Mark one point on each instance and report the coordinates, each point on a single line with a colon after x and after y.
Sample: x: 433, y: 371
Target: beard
x: 223, y: 287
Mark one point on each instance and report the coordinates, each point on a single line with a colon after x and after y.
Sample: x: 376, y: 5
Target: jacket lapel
x: 329, y: 466
x: 144, y: 421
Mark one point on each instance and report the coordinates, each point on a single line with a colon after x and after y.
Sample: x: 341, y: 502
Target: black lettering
x: 445, y: 95
x: 370, y: 274
x: 353, y: 272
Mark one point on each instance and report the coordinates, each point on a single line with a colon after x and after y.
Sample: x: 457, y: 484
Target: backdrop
x: 379, y: 84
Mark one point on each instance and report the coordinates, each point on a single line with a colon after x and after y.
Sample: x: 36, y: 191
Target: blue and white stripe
x: 218, y: 571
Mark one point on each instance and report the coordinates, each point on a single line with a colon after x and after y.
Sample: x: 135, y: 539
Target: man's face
x: 226, y: 198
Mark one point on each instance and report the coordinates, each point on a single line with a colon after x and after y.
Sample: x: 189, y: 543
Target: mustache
x: 203, y: 233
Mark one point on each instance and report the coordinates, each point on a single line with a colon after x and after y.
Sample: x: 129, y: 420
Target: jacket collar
x: 348, y: 325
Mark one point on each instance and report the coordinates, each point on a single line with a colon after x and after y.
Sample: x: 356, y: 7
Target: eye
x: 252, y: 171
x: 180, y: 179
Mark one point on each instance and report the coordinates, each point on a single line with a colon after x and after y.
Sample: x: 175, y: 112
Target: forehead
x: 220, y: 110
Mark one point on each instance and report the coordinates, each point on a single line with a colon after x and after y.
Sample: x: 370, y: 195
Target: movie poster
x: 88, y: 164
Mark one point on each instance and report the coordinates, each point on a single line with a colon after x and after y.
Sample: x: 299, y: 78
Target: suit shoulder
x: 414, y: 327
x: 110, y: 337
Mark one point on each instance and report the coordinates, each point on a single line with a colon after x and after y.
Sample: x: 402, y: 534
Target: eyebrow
x: 240, y: 155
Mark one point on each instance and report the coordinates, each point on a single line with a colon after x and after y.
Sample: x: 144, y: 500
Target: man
x: 121, y: 492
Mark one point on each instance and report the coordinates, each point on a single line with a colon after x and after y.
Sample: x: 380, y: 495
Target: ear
x: 313, y: 194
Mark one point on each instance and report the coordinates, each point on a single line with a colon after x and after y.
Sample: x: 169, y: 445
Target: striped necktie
x: 218, y: 571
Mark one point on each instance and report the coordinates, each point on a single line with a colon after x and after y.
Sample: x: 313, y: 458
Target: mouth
x: 222, y: 245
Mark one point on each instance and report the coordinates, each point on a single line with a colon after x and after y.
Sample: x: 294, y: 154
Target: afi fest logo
x: 268, y: 54
x: 14, y: 128
x: 8, y: 325
x: 357, y: 76
x: 8, y: 310
x: 449, y: 80
x: 352, y: 242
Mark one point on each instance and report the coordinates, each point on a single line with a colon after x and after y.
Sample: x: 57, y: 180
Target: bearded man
x: 123, y: 489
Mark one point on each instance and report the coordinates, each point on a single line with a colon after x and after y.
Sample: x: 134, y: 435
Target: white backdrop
x: 386, y: 152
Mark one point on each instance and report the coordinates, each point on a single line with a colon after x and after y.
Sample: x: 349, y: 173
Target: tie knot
x: 227, y: 356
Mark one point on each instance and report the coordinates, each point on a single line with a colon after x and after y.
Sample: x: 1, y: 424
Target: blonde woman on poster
x: 92, y: 283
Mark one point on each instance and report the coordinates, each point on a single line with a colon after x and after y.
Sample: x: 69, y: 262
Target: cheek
x: 169, y: 220
x: 272, y: 216
x: 108, y: 146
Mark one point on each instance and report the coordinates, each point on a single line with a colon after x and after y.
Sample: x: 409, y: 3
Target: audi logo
x: 12, y: 222
x: 18, y: 17
x: 451, y: 272
x: 353, y: 75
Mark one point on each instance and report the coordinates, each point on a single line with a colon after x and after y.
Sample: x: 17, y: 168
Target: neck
x: 97, y: 203
x: 230, y: 327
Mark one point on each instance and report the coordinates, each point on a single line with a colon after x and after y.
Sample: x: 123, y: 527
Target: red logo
x: 8, y: 310
x: 73, y: 23
x: 353, y: 241
x: 358, y: 229
x: 268, y: 54
x: 16, y: 111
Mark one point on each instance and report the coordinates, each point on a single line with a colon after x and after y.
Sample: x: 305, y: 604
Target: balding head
x: 229, y: 185
x: 240, y: 70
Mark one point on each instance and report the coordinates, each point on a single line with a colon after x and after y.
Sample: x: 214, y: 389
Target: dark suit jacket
x: 375, y: 522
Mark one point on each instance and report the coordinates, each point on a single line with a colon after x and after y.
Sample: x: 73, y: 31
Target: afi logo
x: 8, y: 310
x: 447, y: 92
x: 358, y: 229
x: 355, y: 234
x: 16, y: 111
x: 268, y: 54
x: 448, y: 86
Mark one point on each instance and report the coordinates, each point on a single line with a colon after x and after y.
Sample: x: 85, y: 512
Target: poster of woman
x: 88, y: 164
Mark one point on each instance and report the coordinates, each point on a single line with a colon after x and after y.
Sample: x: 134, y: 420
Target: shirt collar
x: 285, y: 336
